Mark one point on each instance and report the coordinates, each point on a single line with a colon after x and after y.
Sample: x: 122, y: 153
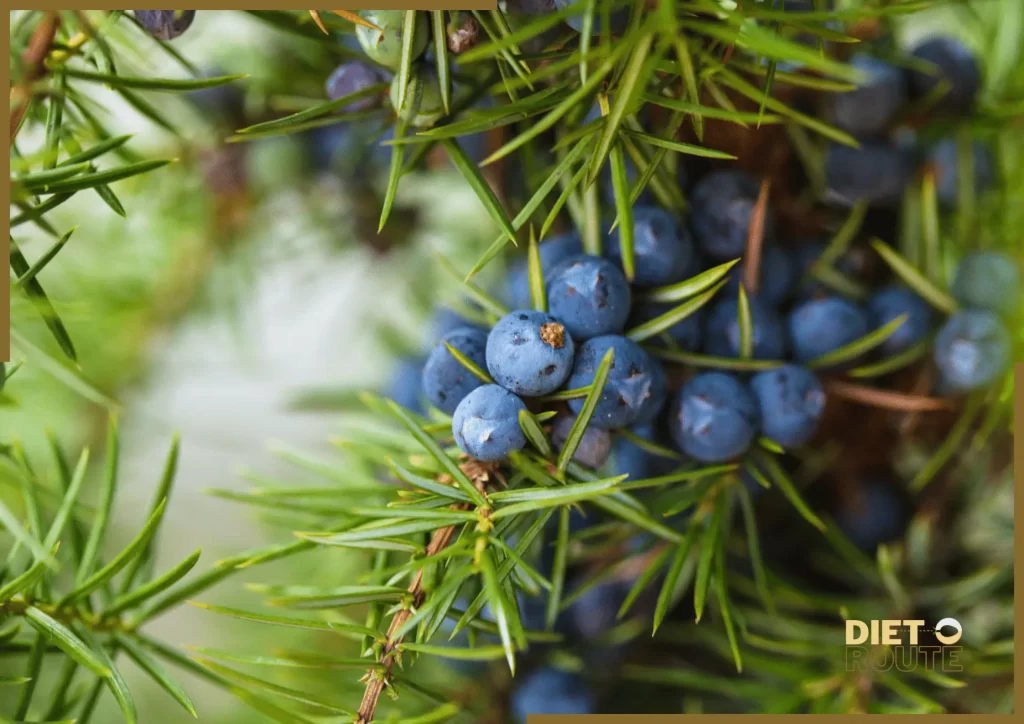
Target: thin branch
x: 377, y: 680
x: 35, y: 67
x: 755, y: 239
x: 887, y: 399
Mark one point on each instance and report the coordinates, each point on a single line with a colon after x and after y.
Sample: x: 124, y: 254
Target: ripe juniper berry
x: 445, y: 380
x: 529, y: 353
x: 165, y: 24
x: 651, y: 409
x: 891, y: 302
x: 428, y: 103
x: 223, y: 103
x: 589, y: 295
x: 791, y: 400
x: 777, y: 277
x: 595, y: 612
x: 972, y: 349
x: 384, y: 46
x: 876, y: 173
x: 988, y: 280
x: 553, y: 251
x: 351, y: 77
x: 662, y: 248
x: 551, y: 691
x: 874, y: 514
x: 630, y: 384
x: 486, y: 423
x: 869, y: 108
x: 768, y: 333
x: 722, y: 203
x: 953, y: 64
x: 715, y: 417
x: 820, y: 326
x: 944, y: 162
x: 594, y: 447
x: 406, y: 386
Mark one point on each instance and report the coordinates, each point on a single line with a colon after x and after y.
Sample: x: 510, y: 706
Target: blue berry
x: 944, y: 160
x: 595, y: 613
x: 619, y: 18
x: 777, y: 278
x: 876, y: 173
x: 226, y: 103
x: 892, y: 302
x: 875, y: 514
x: 869, y: 108
x: 445, y: 380
x: 636, y: 462
x: 662, y: 249
x: 551, y: 691
x: 553, y: 251
x: 768, y: 333
x: 165, y: 24
x: 972, y: 349
x: 589, y: 295
x: 349, y: 78
x: 988, y: 280
x: 792, y: 401
x: 529, y: 353
x: 594, y: 447
x: 820, y: 326
x: 447, y: 320
x: 955, y: 65
x: 715, y: 418
x: 384, y: 46
x: 630, y: 384
x: 688, y: 333
x: 407, y: 385
x: 658, y: 396
x: 722, y: 204
x: 486, y: 423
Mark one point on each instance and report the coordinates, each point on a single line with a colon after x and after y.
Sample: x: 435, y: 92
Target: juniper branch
x: 377, y: 680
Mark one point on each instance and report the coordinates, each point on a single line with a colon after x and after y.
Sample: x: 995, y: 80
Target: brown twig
x: 755, y: 239
x: 887, y: 399
x: 35, y: 68
x: 376, y: 680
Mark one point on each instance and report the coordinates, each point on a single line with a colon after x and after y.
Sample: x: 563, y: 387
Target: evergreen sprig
x: 454, y: 541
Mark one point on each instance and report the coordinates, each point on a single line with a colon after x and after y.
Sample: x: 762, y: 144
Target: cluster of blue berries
x: 941, y: 77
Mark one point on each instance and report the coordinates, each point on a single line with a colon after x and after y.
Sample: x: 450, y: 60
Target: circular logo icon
x: 948, y: 640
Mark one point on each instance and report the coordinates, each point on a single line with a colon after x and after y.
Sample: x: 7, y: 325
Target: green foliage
x: 455, y: 547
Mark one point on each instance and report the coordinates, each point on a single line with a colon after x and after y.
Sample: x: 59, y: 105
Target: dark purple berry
x: 445, y: 380
x: 165, y: 24
x: 952, y: 63
x: 792, y: 402
x: 715, y: 418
